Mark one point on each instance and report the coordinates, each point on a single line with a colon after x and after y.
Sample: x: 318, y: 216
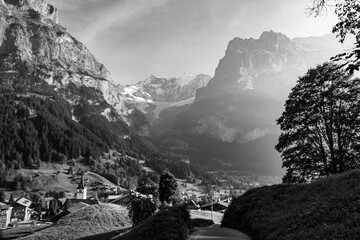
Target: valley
x: 200, y: 124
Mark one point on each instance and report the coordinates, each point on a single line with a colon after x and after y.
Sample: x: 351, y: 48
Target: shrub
x: 170, y: 223
x: 140, y: 208
x: 167, y: 188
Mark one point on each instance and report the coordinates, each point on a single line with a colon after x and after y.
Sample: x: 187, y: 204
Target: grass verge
x: 325, y: 209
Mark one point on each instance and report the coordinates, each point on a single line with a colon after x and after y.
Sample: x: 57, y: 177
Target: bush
x: 140, y: 208
x: 167, y: 188
x: 171, y: 223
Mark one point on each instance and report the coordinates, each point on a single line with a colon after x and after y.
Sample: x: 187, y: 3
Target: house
x: 122, y: 200
x: 191, y: 205
x: 21, y: 209
x: 74, y: 207
x: 125, y: 199
x: 5, y: 215
x: 216, y: 206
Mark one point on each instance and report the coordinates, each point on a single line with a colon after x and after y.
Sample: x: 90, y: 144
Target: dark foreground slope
x: 325, y: 209
x: 172, y: 223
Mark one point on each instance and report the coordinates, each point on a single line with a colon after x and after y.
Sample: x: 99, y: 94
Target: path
x: 214, y: 232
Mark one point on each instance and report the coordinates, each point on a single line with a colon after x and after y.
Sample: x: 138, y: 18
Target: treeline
x: 34, y: 130
x: 174, y: 163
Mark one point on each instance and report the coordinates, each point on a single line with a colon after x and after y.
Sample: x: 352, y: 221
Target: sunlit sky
x: 168, y: 38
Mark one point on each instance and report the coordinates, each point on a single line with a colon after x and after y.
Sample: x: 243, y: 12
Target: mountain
x: 58, y: 103
x: 154, y: 89
x: 31, y: 38
x: 231, y: 123
x: 155, y: 97
x: 56, y: 99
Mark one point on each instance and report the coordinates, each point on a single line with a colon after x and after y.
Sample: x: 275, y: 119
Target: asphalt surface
x: 214, y: 232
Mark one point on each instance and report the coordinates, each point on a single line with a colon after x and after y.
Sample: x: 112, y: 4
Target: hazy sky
x: 167, y: 38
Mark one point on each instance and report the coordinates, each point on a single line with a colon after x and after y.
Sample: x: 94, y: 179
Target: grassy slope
x: 92, y: 220
x: 53, y: 177
x: 325, y: 209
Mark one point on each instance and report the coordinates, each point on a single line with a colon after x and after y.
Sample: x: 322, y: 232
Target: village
x: 23, y: 211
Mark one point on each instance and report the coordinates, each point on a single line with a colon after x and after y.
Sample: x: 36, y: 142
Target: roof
x: 77, y: 206
x: 122, y: 199
x: 192, y: 205
x: 4, y: 206
x: 24, y: 202
x: 126, y: 197
x: 112, y: 197
x: 60, y: 215
x: 225, y: 204
x: 75, y: 201
x: 221, y: 203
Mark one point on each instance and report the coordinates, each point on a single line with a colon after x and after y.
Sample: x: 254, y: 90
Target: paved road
x: 216, y: 233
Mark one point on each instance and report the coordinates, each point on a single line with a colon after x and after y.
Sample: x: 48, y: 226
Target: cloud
x: 70, y: 4
x: 119, y: 15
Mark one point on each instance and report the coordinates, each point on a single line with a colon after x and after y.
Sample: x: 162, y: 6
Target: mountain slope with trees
x: 58, y: 102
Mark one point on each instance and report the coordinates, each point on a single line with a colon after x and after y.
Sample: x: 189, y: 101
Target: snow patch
x: 107, y: 113
x: 132, y: 93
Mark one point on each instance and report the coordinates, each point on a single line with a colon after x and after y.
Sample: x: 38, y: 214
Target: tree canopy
x: 321, y: 125
x: 167, y: 188
x: 348, y: 13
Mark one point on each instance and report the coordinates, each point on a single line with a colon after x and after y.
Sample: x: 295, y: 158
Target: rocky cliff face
x: 45, y: 10
x: 32, y: 41
x: 269, y: 65
x: 232, y: 120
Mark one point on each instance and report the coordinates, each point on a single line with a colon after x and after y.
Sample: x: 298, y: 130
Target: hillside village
x: 87, y: 155
x: 89, y: 188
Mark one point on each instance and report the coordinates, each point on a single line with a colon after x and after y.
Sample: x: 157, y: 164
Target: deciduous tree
x: 321, y: 125
x: 140, y: 208
x: 167, y: 188
x: 348, y: 13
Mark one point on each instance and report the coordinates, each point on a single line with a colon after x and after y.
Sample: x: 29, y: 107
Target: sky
x: 169, y: 38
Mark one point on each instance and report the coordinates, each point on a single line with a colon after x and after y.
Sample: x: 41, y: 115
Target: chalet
x: 191, y: 205
x: 73, y: 208
x: 5, y: 215
x: 21, y: 209
x: 216, y: 206
x: 125, y: 199
x: 122, y: 200
x: 73, y: 201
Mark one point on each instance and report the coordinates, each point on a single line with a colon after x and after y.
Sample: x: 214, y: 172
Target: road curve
x: 214, y: 232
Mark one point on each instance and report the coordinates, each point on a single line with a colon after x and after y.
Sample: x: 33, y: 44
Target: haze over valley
x: 119, y: 113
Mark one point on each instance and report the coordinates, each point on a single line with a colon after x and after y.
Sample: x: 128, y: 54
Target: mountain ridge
x: 241, y: 103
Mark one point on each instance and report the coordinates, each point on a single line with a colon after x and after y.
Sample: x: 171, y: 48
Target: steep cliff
x: 232, y: 120
x: 269, y: 65
x: 57, y: 100
x: 32, y: 40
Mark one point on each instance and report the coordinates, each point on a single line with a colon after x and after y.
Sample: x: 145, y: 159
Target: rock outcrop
x: 31, y: 40
x: 233, y: 119
x: 44, y: 9
x: 269, y: 65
